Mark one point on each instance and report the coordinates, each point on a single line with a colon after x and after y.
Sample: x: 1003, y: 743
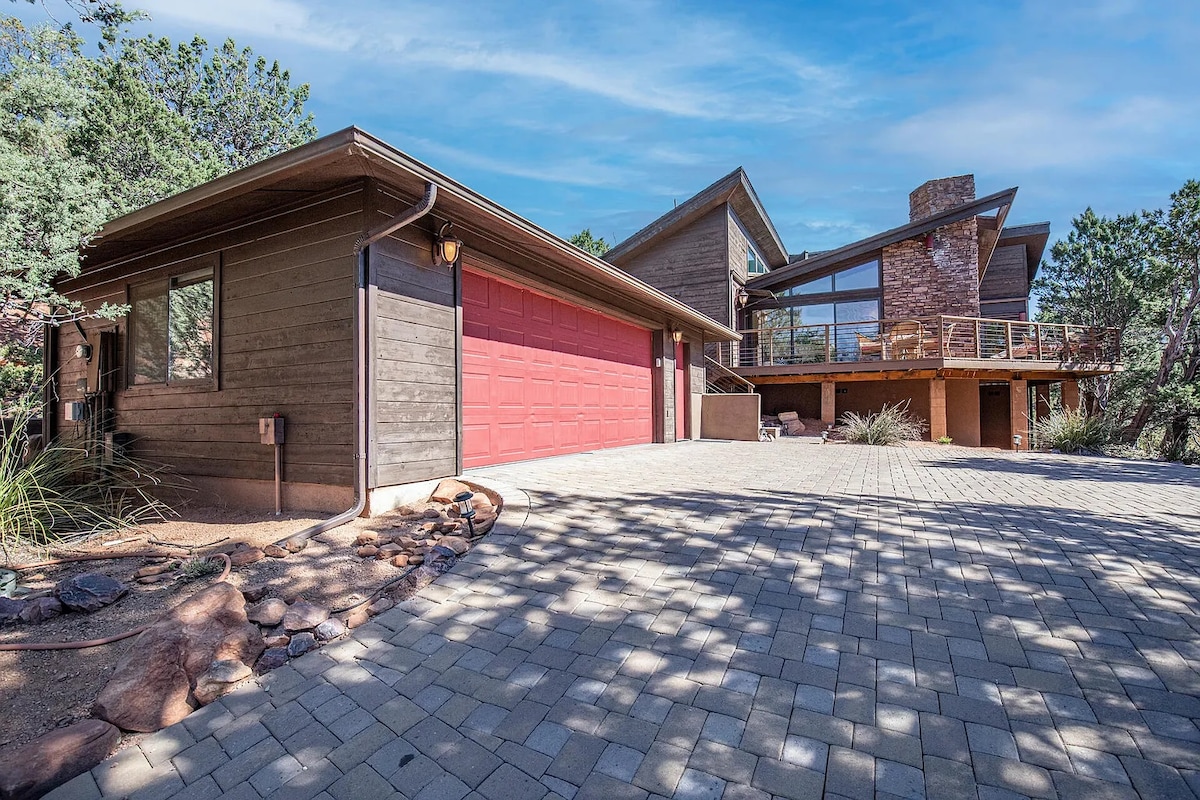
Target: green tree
x: 584, y: 240
x: 1137, y: 273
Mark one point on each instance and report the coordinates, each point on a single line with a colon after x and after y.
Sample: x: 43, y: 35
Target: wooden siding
x: 1006, y: 279
x: 692, y: 265
x: 414, y: 359
x: 285, y: 345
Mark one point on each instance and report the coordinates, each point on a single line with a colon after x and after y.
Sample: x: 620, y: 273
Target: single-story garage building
x: 403, y: 327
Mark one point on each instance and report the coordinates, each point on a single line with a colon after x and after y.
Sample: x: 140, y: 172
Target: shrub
x: 1071, y: 430
x: 945, y: 440
x: 891, y: 425
x: 63, y: 491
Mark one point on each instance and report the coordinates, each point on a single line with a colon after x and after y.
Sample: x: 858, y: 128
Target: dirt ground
x: 43, y: 690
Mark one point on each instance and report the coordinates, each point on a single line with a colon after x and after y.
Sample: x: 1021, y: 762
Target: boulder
x: 272, y: 658
x: 301, y: 643
x: 455, y: 544
x: 367, y: 551
x: 358, y: 618
x: 447, y: 489
x: 31, y: 770
x: 295, y: 545
x: 366, y: 537
x: 89, y: 592
x: 302, y: 616
x: 400, y: 560
x: 40, y: 610
x: 220, y: 679
x: 269, y: 612
x: 10, y: 610
x: 330, y: 629
x: 275, y: 551
x: 405, y: 541
x: 247, y: 555
x: 153, y: 684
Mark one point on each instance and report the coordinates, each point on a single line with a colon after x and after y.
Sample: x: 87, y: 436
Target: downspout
x: 362, y: 282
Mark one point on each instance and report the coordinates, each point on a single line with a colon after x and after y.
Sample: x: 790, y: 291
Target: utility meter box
x: 270, y: 430
x: 73, y: 411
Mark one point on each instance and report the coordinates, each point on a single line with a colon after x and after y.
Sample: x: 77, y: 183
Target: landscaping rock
x: 155, y: 569
x: 248, y: 555
x: 455, y: 544
x: 405, y: 541
x: 416, y: 558
x: 31, y: 770
x: 431, y: 513
x: 220, y: 679
x: 400, y: 560
x: 301, y: 643
x: 89, y: 592
x: 367, y: 551
x: 256, y: 592
x: 10, y: 610
x: 152, y: 685
x: 276, y: 639
x: 272, y: 658
x: 269, y: 612
x: 275, y: 551
x: 330, y: 629
x: 302, y: 616
x: 360, y: 617
x: 447, y: 489
x: 295, y: 545
x: 367, y: 537
x: 381, y: 605
x: 40, y: 610
x: 389, y: 551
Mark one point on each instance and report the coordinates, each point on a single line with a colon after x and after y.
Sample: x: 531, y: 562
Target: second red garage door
x: 542, y: 377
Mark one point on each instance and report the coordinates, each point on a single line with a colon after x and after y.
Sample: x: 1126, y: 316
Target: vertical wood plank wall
x: 414, y: 363
x: 285, y: 344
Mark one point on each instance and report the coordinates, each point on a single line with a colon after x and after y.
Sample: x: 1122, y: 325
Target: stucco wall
x: 730, y: 416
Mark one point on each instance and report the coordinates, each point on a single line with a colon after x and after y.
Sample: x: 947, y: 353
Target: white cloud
x: 279, y: 19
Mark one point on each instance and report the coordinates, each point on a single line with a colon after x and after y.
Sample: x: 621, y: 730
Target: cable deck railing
x: 940, y: 337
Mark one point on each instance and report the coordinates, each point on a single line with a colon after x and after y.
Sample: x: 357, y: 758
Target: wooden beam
x: 828, y: 402
x: 937, y: 409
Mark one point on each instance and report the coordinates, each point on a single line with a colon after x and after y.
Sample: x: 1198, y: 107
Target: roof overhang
x: 734, y: 189
x: 831, y: 261
x: 336, y: 160
x: 1034, y: 237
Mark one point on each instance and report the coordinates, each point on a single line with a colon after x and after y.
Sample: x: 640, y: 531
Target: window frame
x: 165, y: 280
x: 752, y: 257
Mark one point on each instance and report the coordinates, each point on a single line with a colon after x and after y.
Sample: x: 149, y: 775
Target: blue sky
x: 580, y: 115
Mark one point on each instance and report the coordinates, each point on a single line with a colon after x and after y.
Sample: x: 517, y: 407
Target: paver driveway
x: 742, y: 620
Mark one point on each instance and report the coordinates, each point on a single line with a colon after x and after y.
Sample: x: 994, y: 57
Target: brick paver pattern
x: 743, y: 620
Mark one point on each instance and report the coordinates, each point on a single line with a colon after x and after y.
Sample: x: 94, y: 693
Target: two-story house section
x: 934, y: 312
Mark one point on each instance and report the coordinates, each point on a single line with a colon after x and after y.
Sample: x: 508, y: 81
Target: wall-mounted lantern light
x: 446, y: 248
x: 743, y: 297
x: 1016, y: 441
x: 676, y: 335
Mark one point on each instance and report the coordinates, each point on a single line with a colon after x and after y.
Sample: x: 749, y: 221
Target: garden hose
x: 107, y: 639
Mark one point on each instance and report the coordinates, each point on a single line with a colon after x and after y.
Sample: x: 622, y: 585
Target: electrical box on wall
x: 73, y: 411
x: 270, y: 430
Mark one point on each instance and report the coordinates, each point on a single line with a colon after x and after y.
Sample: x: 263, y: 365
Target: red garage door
x: 542, y: 377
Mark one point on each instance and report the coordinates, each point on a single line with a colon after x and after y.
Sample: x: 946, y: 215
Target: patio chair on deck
x: 868, y: 346
x: 907, y: 339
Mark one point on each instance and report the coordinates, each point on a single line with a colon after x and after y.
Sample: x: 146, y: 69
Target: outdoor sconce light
x: 1016, y: 441
x: 676, y: 335
x: 465, y: 509
x: 929, y: 241
x: 743, y: 297
x: 824, y: 437
x: 446, y: 248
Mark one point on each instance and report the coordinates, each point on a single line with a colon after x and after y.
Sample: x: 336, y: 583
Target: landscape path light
x: 466, y: 510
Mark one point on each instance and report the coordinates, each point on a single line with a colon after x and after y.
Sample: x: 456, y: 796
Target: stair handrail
x: 725, y: 371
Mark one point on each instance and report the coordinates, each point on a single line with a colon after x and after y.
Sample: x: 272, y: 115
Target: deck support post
x: 1019, y: 412
x: 937, y: 409
x: 828, y: 402
x: 1070, y: 395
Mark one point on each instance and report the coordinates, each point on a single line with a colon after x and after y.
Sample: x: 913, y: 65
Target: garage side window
x: 172, y: 330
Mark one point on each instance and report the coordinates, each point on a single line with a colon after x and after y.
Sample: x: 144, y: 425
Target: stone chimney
x: 940, y: 194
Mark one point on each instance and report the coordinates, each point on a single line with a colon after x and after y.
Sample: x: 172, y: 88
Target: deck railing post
x: 978, y: 340
x: 828, y: 351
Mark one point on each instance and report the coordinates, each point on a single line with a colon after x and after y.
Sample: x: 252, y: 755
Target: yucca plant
x: 1071, y: 430
x: 62, y: 491
x: 890, y: 425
